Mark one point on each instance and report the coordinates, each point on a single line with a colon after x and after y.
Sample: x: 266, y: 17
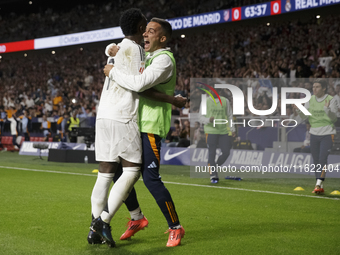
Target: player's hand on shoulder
x: 180, y: 101
x: 107, y: 69
x: 113, y: 50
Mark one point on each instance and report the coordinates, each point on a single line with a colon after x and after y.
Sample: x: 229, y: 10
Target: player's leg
x: 108, y: 165
x: 225, y: 143
x: 119, y: 192
x: 212, y: 142
x: 121, y: 189
x: 315, y: 144
x: 152, y: 180
x: 126, y: 143
x: 138, y: 220
x: 99, y: 195
x: 100, y: 190
x: 326, y: 144
x: 100, y: 230
x: 131, y: 201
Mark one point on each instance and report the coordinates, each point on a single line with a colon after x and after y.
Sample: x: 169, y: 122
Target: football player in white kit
x: 118, y: 138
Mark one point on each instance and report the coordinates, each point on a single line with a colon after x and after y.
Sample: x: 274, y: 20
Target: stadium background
x: 267, y: 45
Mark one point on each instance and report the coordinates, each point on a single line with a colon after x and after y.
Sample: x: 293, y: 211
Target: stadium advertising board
x: 79, y: 38
x: 210, y: 18
x: 27, y: 147
x: 16, y: 46
x: 200, y: 20
x: 258, y: 163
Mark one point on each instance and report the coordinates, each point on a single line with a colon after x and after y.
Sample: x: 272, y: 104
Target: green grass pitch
x: 45, y: 209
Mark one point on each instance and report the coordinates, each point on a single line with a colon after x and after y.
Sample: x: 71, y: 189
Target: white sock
x: 176, y: 227
x: 136, y: 214
x: 318, y: 182
x: 99, y: 193
x: 120, y: 191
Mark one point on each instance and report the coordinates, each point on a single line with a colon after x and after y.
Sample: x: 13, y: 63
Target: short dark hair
x: 166, y: 26
x: 322, y: 82
x: 129, y: 21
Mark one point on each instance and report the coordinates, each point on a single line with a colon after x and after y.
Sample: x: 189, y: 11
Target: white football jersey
x: 118, y: 103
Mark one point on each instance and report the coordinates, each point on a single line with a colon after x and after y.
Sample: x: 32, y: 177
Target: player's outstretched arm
x: 154, y: 94
x: 158, y: 72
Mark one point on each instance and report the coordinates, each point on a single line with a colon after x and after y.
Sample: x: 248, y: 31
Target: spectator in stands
x: 29, y: 102
x: 25, y: 122
x: 3, y: 116
x: 196, y: 132
x: 185, y: 110
x: 201, y: 139
x: 325, y: 60
x: 73, y: 122
x: 13, y: 125
x: 173, y: 136
x: 63, y: 128
x: 57, y: 100
x: 46, y: 127
x: 48, y: 107
x: 184, y: 136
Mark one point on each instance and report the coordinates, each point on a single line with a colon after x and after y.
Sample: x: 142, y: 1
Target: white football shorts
x: 116, y: 139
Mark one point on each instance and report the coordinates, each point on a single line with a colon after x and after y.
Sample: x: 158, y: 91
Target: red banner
x: 16, y: 46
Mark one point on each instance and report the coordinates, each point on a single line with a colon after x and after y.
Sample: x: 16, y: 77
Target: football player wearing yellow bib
x: 219, y: 134
x: 154, y: 123
x: 323, y: 109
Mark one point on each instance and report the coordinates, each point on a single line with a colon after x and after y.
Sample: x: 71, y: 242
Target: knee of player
x: 151, y: 182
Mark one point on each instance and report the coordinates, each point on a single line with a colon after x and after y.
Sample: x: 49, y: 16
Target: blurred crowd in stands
x: 70, y: 81
x: 66, y: 18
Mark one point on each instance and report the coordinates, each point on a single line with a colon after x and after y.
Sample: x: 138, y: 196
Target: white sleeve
x: 204, y: 120
x: 107, y: 49
x: 158, y: 72
x: 332, y: 110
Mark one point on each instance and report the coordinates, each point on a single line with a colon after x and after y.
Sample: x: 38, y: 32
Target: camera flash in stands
x: 0, y: 57
x: 81, y: 49
x: 74, y: 100
x: 318, y: 16
x: 30, y: 2
x: 182, y: 36
x: 53, y: 52
x: 25, y: 55
x: 268, y: 24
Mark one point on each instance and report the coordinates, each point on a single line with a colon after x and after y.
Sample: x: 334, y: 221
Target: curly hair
x: 129, y: 21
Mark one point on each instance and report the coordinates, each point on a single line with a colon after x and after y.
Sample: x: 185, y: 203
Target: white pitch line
x: 180, y: 183
x: 45, y: 171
